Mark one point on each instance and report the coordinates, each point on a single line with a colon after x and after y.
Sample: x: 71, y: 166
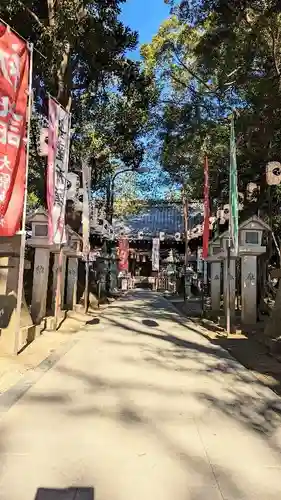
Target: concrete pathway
x: 141, y: 407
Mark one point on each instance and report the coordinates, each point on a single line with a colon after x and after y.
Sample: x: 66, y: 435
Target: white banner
x: 155, y: 254
x: 58, y: 156
x: 86, y: 171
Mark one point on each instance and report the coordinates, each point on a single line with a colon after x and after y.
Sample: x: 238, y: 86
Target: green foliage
x: 82, y: 41
x: 80, y: 58
x: 209, y: 57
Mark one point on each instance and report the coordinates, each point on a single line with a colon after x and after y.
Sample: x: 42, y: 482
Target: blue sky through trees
x: 145, y: 17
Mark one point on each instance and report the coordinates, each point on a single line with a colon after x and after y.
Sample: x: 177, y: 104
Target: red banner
x: 206, y: 229
x: 14, y: 69
x: 123, y: 254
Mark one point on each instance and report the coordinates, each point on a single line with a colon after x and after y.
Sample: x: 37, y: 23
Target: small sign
x: 41, y: 230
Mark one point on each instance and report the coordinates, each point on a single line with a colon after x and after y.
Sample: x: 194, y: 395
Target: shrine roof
x: 153, y: 219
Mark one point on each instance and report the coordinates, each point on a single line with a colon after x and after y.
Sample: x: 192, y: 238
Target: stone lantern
x: 250, y: 247
x: 215, y: 259
x: 73, y: 252
x: 224, y: 242
x: 39, y: 240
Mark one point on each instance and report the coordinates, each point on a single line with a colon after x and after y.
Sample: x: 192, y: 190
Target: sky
x: 144, y: 16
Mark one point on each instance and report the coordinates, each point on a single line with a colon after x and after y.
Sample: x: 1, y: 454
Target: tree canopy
x: 80, y: 58
x: 211, y: 58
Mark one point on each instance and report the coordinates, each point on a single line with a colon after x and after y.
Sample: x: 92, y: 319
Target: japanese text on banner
x: 123, y: 254
x: 14, y: 70
x: 86, y: 213
x: 155, y: 254
x: 58, y: 156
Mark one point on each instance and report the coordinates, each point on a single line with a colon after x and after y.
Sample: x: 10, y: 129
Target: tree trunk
x: 63, y: 95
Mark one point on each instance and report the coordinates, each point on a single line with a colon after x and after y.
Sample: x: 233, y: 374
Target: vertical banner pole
x: 60, y: 261
x: 228, y: 311
x: 23, y: 233
x: 86, y: 174
x: 86, y: 284
x: 206, y: 233
x: 204, y: 286
x: 58, y: 288
x: 233, y: 220
x: 185, y: 214
x: 203, y: 289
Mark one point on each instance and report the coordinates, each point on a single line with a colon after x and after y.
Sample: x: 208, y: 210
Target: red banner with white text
x: 206, y: 230
x: 14, y: 71
x: 123, y: 254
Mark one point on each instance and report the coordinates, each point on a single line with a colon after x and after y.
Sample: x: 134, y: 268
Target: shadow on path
x: 65, y: 494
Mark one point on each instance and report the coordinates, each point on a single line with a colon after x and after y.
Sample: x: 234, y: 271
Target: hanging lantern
x: 102, y: 214
x: 273, y: 173
x: 212, y: 221
x: 226, y: 212
x: 93, y: 214
x: 241, y: 201
x: 252, y: 189
x: 78, y: 202
x: 72, y: 186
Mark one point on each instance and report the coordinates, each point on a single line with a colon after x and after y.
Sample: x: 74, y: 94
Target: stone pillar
x: 249, y: 289
x: 55, y: 273
x: 232, y: 285
x: 4, y: 269
x: 215, y: 286
x: 8, y: 298
x: 72, y: 277
x: 114, y: 270
x: 40, y: 284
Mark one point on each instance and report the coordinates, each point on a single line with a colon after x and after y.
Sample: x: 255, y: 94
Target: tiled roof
x: 166, y: 218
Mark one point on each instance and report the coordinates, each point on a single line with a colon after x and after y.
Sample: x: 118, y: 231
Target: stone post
x: 249, y: 289
x: 215, y: 286
x: 72, y: 277
x: 40, y: 242
x: 232, y: 285
x: 9, y: 262
x: 55, y: 273
x: 40, y: 284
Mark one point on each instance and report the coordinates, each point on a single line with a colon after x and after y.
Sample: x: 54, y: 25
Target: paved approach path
x: 142, y: 407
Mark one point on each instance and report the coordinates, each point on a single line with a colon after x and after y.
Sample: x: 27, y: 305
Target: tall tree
x: 213, y: 56
x: 80, y: 58
x: 234, y: 61
x: 81, y: 42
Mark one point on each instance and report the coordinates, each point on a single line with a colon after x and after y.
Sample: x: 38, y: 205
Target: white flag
x: 86, y: 171
x: 155, y: 254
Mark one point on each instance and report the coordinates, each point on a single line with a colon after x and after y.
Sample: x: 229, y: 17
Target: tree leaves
x: 208, y: 58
